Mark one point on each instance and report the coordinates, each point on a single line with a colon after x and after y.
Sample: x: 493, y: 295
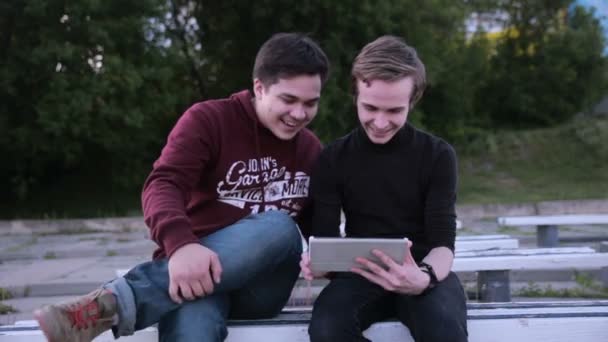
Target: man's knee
x: 280, y: 226
x: 441, y: 325
x: 201, y: 320
x: 331, y: 326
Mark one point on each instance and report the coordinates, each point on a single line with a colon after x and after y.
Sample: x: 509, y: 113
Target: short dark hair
x: 287, y: 55
x: 389, y: 59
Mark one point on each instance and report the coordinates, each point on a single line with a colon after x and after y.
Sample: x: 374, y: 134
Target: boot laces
x: 83, y: 316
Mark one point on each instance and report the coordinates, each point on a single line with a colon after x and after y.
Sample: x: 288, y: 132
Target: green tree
x: 548, y: 66
x: 86, y: 87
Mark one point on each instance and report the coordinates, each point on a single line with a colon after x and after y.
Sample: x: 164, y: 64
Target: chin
x: 285, y: 135
x: 380, y: 140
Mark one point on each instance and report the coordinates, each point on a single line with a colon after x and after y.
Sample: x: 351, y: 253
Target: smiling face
x: 288, y: 105
x: 383, y: 107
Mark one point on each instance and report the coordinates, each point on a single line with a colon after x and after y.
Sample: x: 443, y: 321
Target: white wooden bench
x: 493, y: 267
x: 547, y: 226
x: 490, y: 322
x: 485, y: 242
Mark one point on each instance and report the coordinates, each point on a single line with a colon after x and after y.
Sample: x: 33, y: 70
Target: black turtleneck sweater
x: 404, y: 188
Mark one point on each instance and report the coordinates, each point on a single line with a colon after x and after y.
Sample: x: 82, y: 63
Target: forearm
x: 441, y: 259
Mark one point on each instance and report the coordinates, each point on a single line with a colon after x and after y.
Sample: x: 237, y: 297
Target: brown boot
x: 79, y: 320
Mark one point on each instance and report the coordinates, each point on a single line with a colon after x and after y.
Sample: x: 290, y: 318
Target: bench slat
x: 482, y: 237
x: 526, y: 251
x: 526, y: 262
x: 552, y: 220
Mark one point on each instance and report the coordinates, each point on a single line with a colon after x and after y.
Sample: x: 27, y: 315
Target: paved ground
x: 52, y: 263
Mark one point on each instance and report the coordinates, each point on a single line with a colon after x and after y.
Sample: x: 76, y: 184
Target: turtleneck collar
x: 403, y: 136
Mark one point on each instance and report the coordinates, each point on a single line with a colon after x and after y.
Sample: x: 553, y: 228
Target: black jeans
x: 350, y: 304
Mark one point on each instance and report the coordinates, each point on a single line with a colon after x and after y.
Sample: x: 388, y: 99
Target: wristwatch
x: 428, y: 269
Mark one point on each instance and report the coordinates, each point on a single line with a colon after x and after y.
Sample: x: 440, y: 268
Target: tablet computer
x: 339, y: 254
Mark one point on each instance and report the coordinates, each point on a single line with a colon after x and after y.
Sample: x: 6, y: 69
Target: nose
x: 298, y: 113
x: 380, y: 122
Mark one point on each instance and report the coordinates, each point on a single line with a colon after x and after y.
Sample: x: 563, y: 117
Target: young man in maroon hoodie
x: 222, y: 203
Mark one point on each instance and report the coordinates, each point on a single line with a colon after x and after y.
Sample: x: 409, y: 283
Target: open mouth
x: 290, y: 124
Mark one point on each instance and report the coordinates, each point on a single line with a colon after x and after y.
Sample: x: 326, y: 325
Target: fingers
x: 186, y: 291
x: 386, y: 260
x: 216, y: 269
x: 207, y: 283
x: 373, y: 278
x: 379, y: 272
x: 197, y: 289
x: 305, y: 258
x: 409, y: 259
x: 305, y: 267
x: 173, y: 292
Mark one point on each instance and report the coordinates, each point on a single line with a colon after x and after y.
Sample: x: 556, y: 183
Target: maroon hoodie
x: 219, y: 165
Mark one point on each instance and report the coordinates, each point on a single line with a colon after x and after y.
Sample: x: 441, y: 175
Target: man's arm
x: 440, y: 212
x: 193, y: 268
x: 176, y: 172
x: 326, y: 198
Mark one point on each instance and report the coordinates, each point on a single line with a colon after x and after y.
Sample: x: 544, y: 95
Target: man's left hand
x: 406, y: 278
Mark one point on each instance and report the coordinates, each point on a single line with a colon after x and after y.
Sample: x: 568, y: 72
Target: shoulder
x: 307, y: 138
x: 214, y: 109
x: 340, y: 146
x: 431, y: 144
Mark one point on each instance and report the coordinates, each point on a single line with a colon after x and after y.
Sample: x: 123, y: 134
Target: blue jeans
x: 259, y: 256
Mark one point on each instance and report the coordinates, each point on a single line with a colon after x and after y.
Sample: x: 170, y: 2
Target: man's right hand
x: 305, y: 267
x: 193, y: 269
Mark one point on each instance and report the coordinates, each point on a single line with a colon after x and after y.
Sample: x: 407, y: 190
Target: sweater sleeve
x: 326, y: 197
x: 167, y: 189
x: 440, y: 212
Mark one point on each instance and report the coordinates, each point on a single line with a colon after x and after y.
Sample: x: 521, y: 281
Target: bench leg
x: 547, y: 236
x: 494, y: 286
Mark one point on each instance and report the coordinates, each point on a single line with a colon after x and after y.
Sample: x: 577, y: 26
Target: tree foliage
x: 548, y: 66
x: 89, y: 89
x: 84, y: 85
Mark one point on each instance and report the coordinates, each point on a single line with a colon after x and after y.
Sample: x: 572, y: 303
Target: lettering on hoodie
x: 261, y: 185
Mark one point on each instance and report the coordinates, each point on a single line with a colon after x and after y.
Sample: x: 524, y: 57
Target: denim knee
x: 194, y: 323
x: 282, y: 226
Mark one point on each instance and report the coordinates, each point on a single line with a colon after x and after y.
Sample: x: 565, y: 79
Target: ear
x: 258, y: 87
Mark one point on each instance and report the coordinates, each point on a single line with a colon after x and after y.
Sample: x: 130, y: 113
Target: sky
x: 601, y: 11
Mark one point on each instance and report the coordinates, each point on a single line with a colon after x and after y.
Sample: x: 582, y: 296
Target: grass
x: 32, y: 241
x: 587, y: 287
x: 50, y: 255
x: 561, y: 163
x: 6, y: 309
x: 5, y: 294
x: 513, y: 231
x: 71, y: 231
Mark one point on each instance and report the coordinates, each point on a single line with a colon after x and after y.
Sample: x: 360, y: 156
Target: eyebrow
x: 292, y: 97
x: 388, y: 109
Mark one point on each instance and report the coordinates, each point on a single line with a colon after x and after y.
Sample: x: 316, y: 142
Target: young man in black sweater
x: 391, y: 180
